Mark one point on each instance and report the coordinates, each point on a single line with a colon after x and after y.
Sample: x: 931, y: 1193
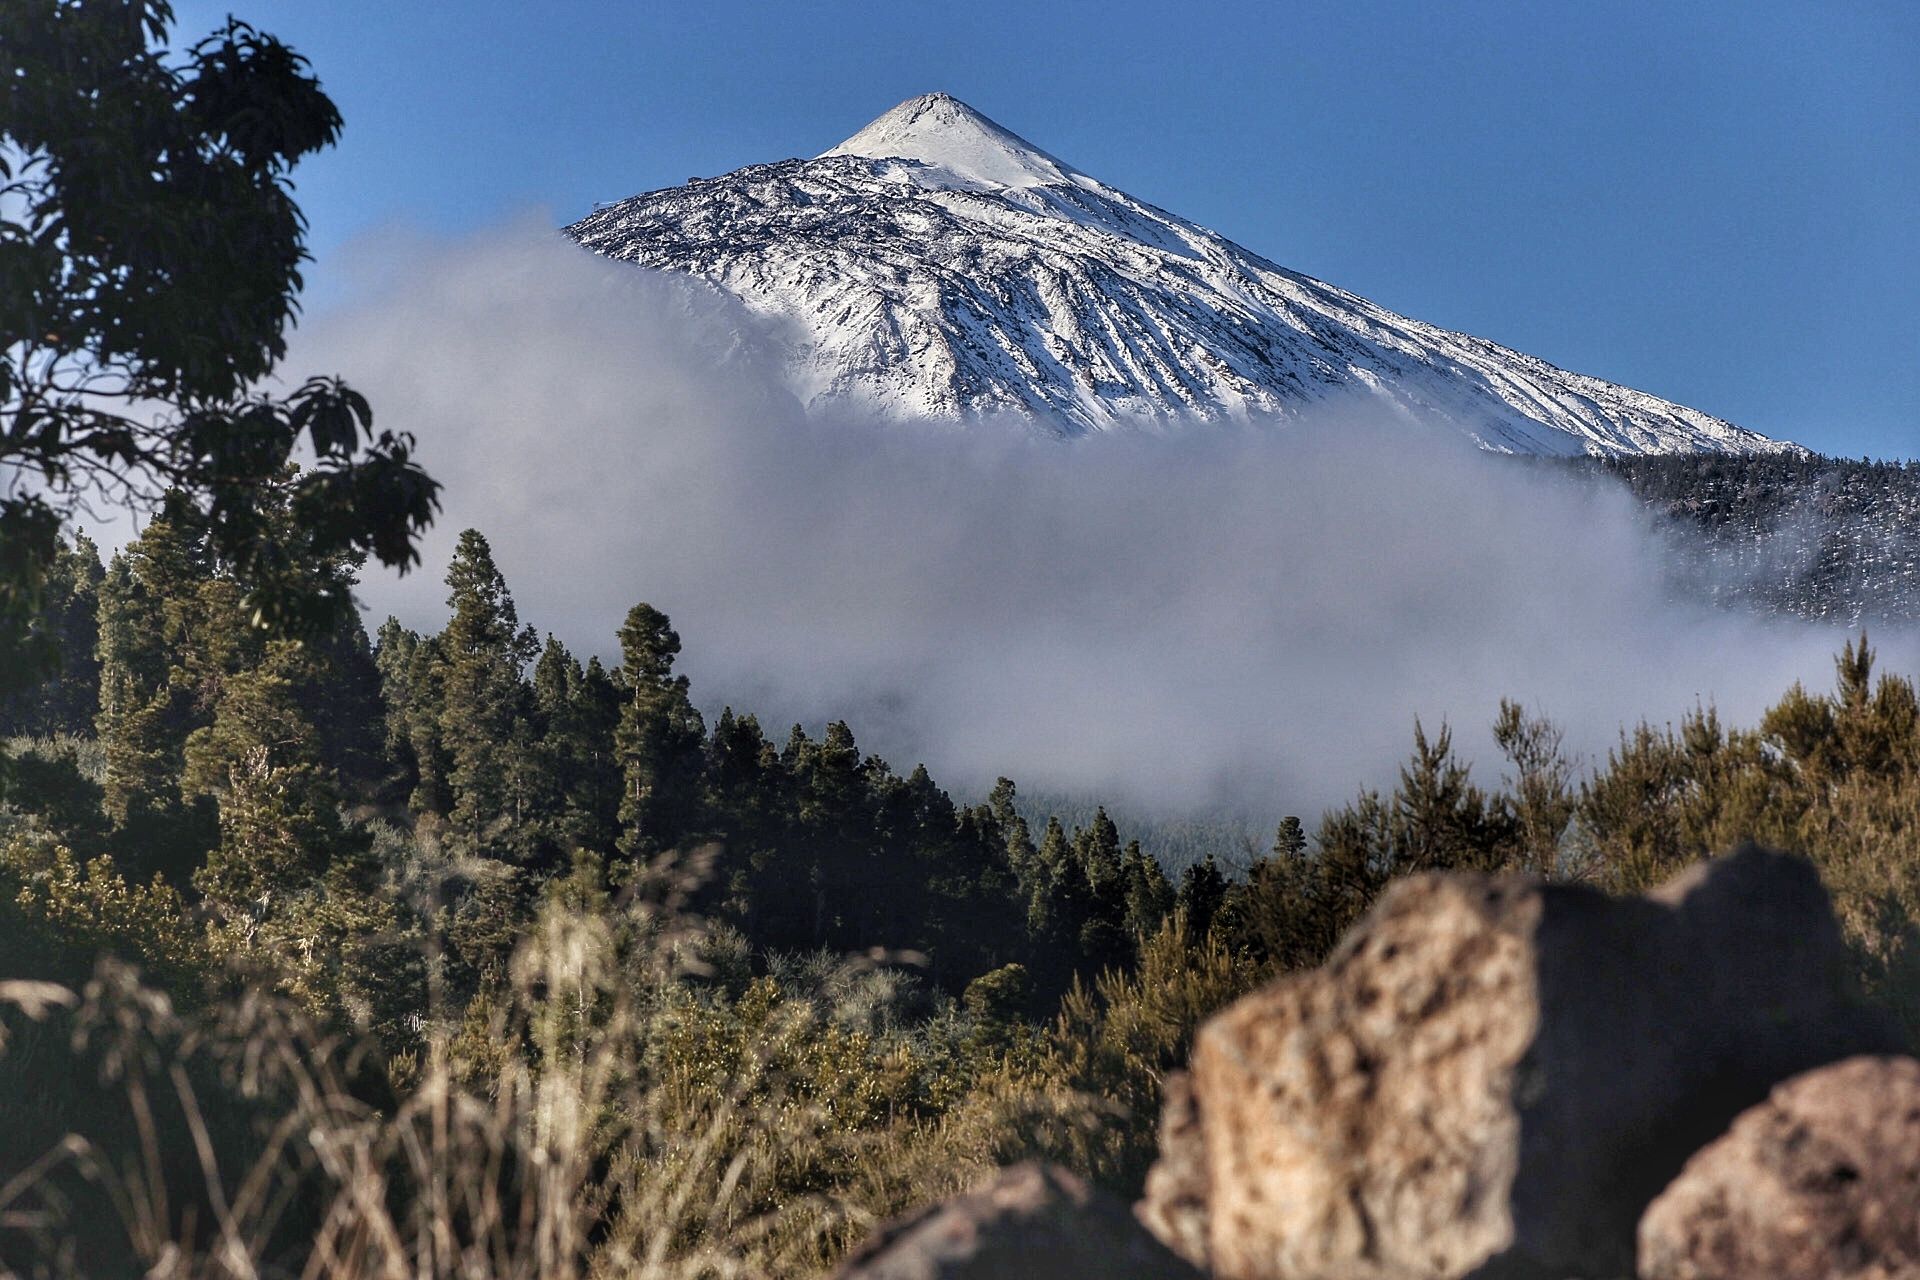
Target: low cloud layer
x: 1211, y: 615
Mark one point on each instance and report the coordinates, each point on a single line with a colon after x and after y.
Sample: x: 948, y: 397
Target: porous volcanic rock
x: 1492, y: 1076
x: 1819, y: 1182
x: 1031, y: 1222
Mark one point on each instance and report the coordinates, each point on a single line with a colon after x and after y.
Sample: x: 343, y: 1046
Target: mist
x: 1177, y: 619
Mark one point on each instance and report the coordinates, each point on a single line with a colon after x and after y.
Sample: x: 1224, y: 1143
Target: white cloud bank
x: 1213, y: 615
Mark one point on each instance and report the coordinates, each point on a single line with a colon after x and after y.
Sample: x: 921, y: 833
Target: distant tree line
x: 364, y: 802
x: 1830, y: 539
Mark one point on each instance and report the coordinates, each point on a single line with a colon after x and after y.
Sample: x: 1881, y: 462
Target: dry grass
x: 610, y: 1110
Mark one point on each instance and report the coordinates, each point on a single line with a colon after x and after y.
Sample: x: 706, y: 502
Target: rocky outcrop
x: 1175, y: 1206
x: 1493, y: 1077
x: 1819, y: 1182
x: 1030, y: 1222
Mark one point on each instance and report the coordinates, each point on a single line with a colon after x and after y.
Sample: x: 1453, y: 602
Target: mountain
x: 936, y: 264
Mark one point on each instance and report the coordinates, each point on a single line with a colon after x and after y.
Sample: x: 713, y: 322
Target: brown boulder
x: 1492, y: 1077
x: 1819, y: 1182
x: 1031, y: 1222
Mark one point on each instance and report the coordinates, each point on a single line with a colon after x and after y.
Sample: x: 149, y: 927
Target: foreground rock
x: 1493, y: 1077
x: 1819, y: 1182
x: 1175, y: 1205
x: 1032, y: 1221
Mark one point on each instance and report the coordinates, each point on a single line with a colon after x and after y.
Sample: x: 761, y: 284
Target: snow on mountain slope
x: 936, y: 264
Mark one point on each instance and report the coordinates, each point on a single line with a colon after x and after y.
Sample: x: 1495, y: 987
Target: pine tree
x: 1273, y: 912
x: 659, y: 740
x: 1875, y: 723
x: 960, y: 886
x: 1290, y: 839
x: 1022, y: 857
x: 1203, y: 889
x: 573, y: 784
x: 1631, y: 809
x: 1098, y: 848
x: 744, y: 797
x: 1000, y: 801
x: 1103, y: 940
x: 594, y: 788
x: 393, y: 656
x: 554, y: 675
x: 1440, y: 819
x: 67, y: 700
x: 339, y: 691
x: 136, y: 703
x: 1150, y: 895
x: 432, y: 794
x: 1541, y: 788
x: 181, y: 657
x: 484, y: 713
x: 170, y: 634
x: 835, y: 827
x: 1061, y: 899
x: 261, y: 760
x: 739, y: 758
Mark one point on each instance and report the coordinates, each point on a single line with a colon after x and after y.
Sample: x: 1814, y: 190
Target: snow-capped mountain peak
x: 936, y: 264
x: 951, y: 138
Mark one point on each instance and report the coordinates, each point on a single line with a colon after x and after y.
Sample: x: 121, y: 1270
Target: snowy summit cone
x: 946, y: 134
x: 938, y: 265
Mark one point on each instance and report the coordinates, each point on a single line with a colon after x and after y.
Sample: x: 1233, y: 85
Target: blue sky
x: 1715, y: 202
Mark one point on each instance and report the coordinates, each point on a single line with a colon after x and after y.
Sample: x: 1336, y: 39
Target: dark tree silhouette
x: 150, y: 255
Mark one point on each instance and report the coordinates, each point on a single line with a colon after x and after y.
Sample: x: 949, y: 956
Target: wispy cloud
x: 1252, y: 614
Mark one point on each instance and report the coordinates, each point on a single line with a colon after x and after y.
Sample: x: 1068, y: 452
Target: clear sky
x: 1716, y: 202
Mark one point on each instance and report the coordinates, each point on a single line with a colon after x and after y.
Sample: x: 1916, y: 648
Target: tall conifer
x: 659, y: 738
x: 261, y: 760
x: 483, y: 706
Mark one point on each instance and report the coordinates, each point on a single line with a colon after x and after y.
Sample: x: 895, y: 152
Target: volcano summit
x: 937, y: 264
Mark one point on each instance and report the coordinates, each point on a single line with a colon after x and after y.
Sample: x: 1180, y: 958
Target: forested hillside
x: 1824, y: 538
x: 346, y: 880
x: 275, y: 782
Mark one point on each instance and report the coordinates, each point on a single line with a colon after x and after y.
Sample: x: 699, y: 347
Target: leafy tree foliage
x: 150, y: 255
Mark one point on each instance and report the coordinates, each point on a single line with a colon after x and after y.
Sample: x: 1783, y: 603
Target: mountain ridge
x: 936, y: 264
